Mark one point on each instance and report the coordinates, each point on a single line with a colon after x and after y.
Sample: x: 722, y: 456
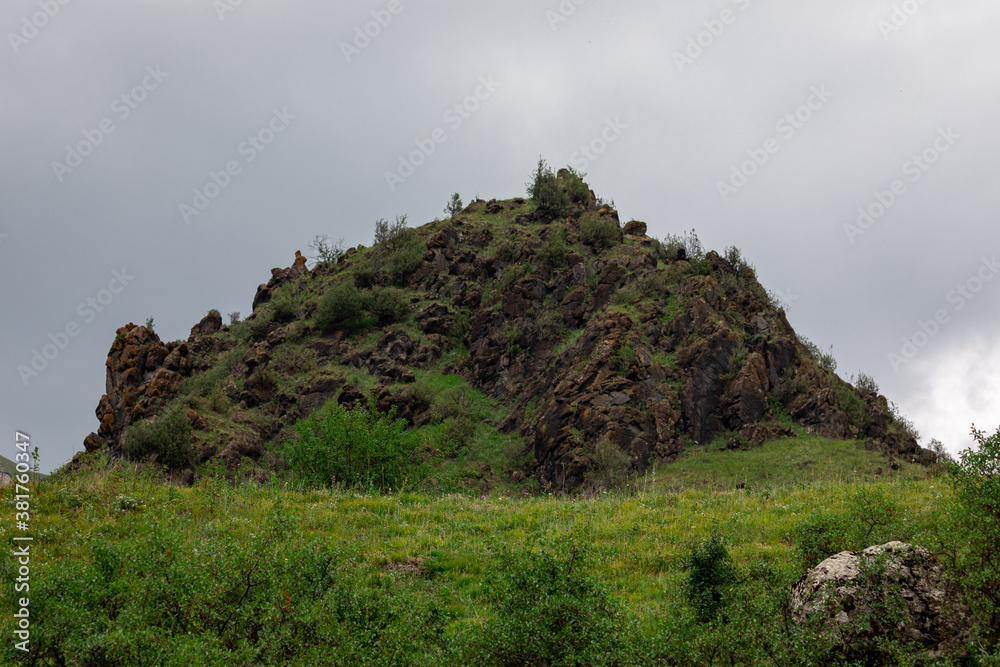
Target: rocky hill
x: 593, y: 340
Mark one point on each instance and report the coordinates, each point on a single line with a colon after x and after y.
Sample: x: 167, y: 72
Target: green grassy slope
x: 131, y: 570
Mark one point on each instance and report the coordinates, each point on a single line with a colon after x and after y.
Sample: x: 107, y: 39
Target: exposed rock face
x: 142, y: 376
x: 280, y: 277
x: 897, y: 590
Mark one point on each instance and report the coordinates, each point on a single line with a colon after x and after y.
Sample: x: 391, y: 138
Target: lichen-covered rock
x: 891, y: 591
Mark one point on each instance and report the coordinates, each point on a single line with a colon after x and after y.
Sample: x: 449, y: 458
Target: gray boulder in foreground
x: 893, y: 591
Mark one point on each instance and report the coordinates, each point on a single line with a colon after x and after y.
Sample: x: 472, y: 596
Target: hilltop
x: 533, y: 341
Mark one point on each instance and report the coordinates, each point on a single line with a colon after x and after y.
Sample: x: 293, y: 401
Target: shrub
x: 454, y: 206
x: 149, y: 323
x: 405, y: 259
x: 386, y: 304
x: 361, y: 446
x: 234, y: 317
x: 599, y: 231
x: 340, y: 308
x: 819, y: 536
x: 824, y: 360
x: 388, y: 234
x: 553, y: 251
x: 975, y: 480
x: 611, y: 467
x: 551, y: 611
x: 326, y: 251
x: 866, y: 382
x: 710, y: 573
x: 165, y: 439
x: 546, y: 190
x: 576, y: 189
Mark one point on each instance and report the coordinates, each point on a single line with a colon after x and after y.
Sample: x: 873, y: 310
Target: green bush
x: 386, y: 304
x: 819, y: 536
x: 599, y: 231
x: 405, y: 259
x: 340, y: 308
x: 553, y: 251
x: 361, y: 446
x: 165, y: 439
x: 454, y: 206
x: 389, y: 234
x: 549, y: 195
x: 975, y: 518
x: 611, y: 466
x: 710, y: 573
x: 550, y: 612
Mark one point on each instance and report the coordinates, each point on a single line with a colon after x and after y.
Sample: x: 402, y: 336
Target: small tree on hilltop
x: 454, y: 206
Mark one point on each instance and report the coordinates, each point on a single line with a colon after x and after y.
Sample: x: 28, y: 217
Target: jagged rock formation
x: 893, y: 590
x: 589, y: 338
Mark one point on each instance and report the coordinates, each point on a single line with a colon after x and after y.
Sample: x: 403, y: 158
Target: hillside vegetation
x: 522, y: 436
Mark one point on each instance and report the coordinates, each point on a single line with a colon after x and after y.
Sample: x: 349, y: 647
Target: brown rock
x: 635, y: 228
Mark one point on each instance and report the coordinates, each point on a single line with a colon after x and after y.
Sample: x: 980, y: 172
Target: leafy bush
x: 388, y: 234
x: 599, y: 231
x: 611, y: 466
x: 386, y: 304
x: 553, y: 251
x: 545, y: 189
x: 710, y: 573
x: 819, y: 536
x: 454, y: 206
x: 234, y: 317
x: 576, y: 189
x: 866, y: 382
x: 871, y: 518
x: 340, y: 308
x: 822, y: 359
x: 551, y: 612
x: 975, y: 516
x: 405, y: 259
x: 165, y: 439
x: 361, y: 446
x: 689, y: 241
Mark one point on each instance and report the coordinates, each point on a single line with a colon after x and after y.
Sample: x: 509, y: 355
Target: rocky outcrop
x: 278, y: 278
x: 141, y: 377
x: 891, y: 591
x: 637, y: 345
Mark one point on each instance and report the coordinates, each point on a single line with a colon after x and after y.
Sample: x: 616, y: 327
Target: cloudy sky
x: 159, y: 158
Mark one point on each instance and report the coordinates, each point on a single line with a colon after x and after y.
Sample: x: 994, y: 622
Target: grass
x: 784, y: 462
x: 442, y: 551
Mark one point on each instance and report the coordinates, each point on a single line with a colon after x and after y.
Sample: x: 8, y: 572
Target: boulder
x: 635, y: 228
x: 894, y: 590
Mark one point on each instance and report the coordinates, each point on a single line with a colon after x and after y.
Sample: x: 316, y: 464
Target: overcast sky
x: 159, y: 158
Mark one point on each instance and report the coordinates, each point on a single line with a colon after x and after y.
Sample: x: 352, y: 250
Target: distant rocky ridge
x: 636, y: 344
